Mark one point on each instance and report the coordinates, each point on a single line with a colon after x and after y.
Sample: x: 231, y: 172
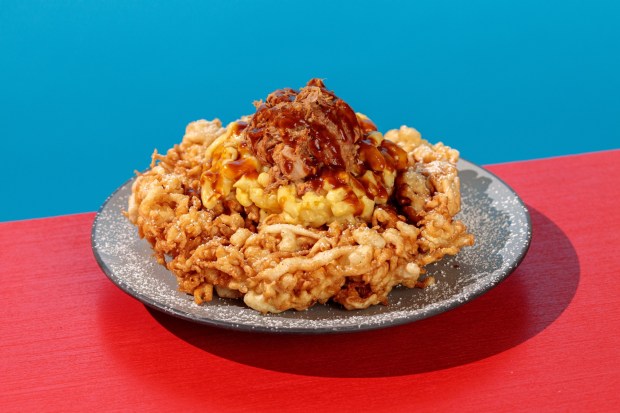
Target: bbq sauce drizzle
x: 338, y: 146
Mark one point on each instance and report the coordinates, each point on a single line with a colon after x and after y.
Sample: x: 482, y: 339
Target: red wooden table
x: 547, y: 338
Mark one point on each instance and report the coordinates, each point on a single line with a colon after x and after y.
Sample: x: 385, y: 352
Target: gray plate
x: 490, y: 209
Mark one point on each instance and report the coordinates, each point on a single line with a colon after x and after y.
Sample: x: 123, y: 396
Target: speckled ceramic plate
x: 491, y: 210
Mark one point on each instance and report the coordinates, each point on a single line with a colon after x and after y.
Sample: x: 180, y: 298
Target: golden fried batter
x: 258, y: 212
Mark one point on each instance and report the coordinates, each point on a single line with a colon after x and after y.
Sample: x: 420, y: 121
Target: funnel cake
x: 302, y: 202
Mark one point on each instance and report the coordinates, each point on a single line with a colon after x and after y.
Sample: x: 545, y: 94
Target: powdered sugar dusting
x: 490, y: 209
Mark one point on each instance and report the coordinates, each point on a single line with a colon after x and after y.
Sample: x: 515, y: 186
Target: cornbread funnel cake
x: 302, y: 202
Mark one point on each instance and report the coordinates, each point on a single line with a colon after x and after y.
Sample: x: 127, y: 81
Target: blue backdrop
x: 89, y: 88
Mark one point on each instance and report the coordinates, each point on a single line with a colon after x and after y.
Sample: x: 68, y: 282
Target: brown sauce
x: 352, y: 199
x: 396, y: 153
x: 372, y: 157
x: 367, y: 125
x: 241, y: 167
x: 373, y: 190
x: 326, y: 139
x: 239, y: 126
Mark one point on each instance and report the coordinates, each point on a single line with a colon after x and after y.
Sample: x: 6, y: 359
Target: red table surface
x: 547, y: 338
